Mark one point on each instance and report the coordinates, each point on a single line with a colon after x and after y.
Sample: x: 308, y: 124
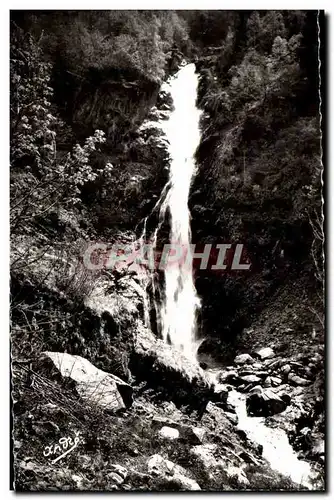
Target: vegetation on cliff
x: 83, y: 169
x: 260, y: 168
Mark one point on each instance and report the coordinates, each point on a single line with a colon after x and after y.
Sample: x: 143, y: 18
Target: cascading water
x: 177, y: 304
x: 176, y: 312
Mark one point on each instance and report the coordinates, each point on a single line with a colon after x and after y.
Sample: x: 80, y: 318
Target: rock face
x: 98, y: 387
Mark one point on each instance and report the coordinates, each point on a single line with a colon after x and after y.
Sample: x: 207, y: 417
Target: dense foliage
x: 260, y: 158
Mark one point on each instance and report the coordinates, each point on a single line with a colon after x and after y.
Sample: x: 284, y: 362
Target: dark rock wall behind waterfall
x: 258, y: 181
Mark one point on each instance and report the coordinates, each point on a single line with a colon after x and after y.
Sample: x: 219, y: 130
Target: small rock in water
x: 262, y: 374
x: 257, y: 366
x: 272, y: 364
x: 243, y: 359
x: 230, y: 408
x: 246, y: 371
x: 169, y: 433
x: 265, y: 404
x: 247, y: 388
x: 229, y: 378
x: 265, y: 353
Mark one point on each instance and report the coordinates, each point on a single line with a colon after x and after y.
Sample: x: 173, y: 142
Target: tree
x: 39, y: 180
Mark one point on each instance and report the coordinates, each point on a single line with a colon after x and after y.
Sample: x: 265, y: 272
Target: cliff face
x: 258, y: 180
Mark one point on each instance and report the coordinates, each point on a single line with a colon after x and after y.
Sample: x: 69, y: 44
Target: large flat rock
x: 92, y: 384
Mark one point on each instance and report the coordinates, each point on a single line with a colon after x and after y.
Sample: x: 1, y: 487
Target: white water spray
x: 176, y: 315
x: 276, y: 447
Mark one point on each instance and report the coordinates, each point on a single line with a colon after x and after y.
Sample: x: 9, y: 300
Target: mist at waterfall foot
x: 176, y: 311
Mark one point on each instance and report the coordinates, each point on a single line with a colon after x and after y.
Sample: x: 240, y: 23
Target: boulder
x: 237, y: 474
x: 116, y: 473
x: 265, y: 403
x: 205, y: 455
x: 178, y: 377
x: 221, y: 392
x: 159, y: 422
x: 250, y: 379
x: 265, y: 353
x: 193, y: 435
x: 286, y: 369
x: 276, y: 381
x: 170, y: 474
x: 92, y: 384
x: 296, y: 380
x: 231, y: 377
x: 169, y: 433
x: 214, y: 418
x: 243, y: 359
x: 267, y: 382
x: 233, y: 418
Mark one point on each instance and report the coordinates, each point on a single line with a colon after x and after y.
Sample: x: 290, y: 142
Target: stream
x: 276, y: 447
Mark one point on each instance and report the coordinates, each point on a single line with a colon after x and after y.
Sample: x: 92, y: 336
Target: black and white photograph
x: 167, y: 242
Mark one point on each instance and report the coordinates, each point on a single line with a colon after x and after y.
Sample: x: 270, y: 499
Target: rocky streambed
x: 277, y: 402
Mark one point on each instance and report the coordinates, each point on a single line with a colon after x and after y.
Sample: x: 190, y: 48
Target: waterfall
x: 176, y: 311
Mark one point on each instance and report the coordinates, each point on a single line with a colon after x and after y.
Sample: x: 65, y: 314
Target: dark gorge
x: 155, y: 128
